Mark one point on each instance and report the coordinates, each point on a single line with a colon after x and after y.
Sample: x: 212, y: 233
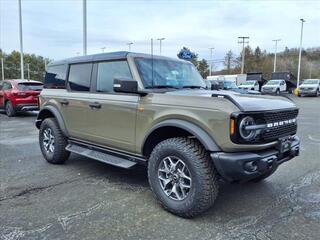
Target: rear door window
x: 30, y: 86
x: 80, y: 77
x: 108, y: 71
x: 55, y: 76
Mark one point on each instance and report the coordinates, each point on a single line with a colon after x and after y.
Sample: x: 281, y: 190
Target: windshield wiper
x: 162, y: 86
x: 194, y: 87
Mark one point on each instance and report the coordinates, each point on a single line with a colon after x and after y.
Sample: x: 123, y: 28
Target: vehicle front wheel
x: 318, y: 93
x: 182, y: 177
x: 53, y: 142
x: 10, y: 111
x: 278, y: 92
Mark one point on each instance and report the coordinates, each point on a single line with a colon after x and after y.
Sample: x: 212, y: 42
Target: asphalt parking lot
x: 85, y: 199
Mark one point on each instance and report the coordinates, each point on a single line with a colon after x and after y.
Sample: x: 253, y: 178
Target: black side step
x: 99, y: 155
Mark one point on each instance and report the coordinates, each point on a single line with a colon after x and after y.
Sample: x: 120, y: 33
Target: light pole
x: 102, y: 49
x: 211, y: 55
x: 243, y: 51
x: 84, y: 27
x: 160, y: 41
x: 275, y: 54
x: 299, y: 64
x: 2, y: 69
x: 310, y: 72
x: 21, y: 42
x: 129, y: 45
x: 28, y: 68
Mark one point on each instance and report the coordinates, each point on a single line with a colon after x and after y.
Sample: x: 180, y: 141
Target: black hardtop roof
x: 106, y: 57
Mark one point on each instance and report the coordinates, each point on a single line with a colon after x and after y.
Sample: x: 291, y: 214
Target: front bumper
x: 244, y: 166
x: 268, y: 91
x: 307, y: 92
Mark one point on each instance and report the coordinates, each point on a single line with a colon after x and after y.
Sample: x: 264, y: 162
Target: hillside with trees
x: 258, y: 60
x: 12, y: 65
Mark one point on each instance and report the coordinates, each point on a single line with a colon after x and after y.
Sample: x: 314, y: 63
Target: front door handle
x: 95, y: 105
x: 64, y: 102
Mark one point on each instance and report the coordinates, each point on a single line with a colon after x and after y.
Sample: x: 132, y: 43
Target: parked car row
x: 19, y: 95
x: 280, y: 82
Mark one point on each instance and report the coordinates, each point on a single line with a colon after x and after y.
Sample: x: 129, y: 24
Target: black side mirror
x: 125, y: 85
x: 215, y: 86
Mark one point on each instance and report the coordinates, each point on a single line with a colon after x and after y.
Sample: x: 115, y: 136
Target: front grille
x: 276, y: 132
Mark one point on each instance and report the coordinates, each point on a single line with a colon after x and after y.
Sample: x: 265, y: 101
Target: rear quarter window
x: 55, y: 76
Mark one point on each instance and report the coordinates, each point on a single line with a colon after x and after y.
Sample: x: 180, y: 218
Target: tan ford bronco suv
x: 127, y: 108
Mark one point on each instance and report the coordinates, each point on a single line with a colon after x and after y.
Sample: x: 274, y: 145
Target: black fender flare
x: 57, y: 115
x: 206, y: 140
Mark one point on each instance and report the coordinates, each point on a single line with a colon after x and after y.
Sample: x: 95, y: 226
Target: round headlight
x: 247, y: 134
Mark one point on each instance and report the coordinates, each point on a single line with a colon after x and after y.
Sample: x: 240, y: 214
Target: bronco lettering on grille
x: 281, y: 123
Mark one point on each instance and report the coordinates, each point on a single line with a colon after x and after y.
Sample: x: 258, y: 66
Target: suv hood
x: 244, y: 102
x: 309, y: 85
x: 271, y: 86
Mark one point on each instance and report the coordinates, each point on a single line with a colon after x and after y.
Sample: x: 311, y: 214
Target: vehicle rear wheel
x: 53, y: 142
x: 182, y: 177
x: 10, y: 111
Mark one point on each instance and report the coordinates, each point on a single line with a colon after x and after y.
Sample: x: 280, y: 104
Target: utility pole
x: 84, y: 27
x: 129, y: 45
x: 28, y: 68
x: 211, y: 56
x: 102, y: 49
x: 275, y: 54
x: 160, y: 41
x: 310, y: 72
x: 21, y: 42
x: 2, y: 69
x: 299, y: 64
x: 243, y: 41
x: 45, y: 64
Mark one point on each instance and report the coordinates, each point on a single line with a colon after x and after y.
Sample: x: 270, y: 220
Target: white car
x: 250, y: 85
x: 274, y: 86
x: 309, y: 87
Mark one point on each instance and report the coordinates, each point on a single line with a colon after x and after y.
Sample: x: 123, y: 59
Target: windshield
x: 274, y: 82
x: 248, y: 83
x: 168, y: 73
x: 311, y: 81
x: 30, y: 86
x: 229, y: 85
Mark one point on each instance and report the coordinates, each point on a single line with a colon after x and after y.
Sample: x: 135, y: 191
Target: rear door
x: 112, y: 116
x: 74, y: 106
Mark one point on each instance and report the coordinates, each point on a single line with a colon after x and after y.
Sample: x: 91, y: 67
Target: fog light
x: 250, y: 166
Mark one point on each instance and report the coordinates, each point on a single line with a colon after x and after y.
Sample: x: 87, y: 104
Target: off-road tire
x: 60, y: 154
x: 10, y: 111
x: 204, y: 188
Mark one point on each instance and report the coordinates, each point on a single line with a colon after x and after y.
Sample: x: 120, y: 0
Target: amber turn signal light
x: 232, y: 126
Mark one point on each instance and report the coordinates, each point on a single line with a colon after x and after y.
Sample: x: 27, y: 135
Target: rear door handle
x: 64, y: 102
x: 95, y: 105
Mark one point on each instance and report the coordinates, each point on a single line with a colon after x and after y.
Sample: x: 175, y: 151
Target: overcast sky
x: 53, y: 28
